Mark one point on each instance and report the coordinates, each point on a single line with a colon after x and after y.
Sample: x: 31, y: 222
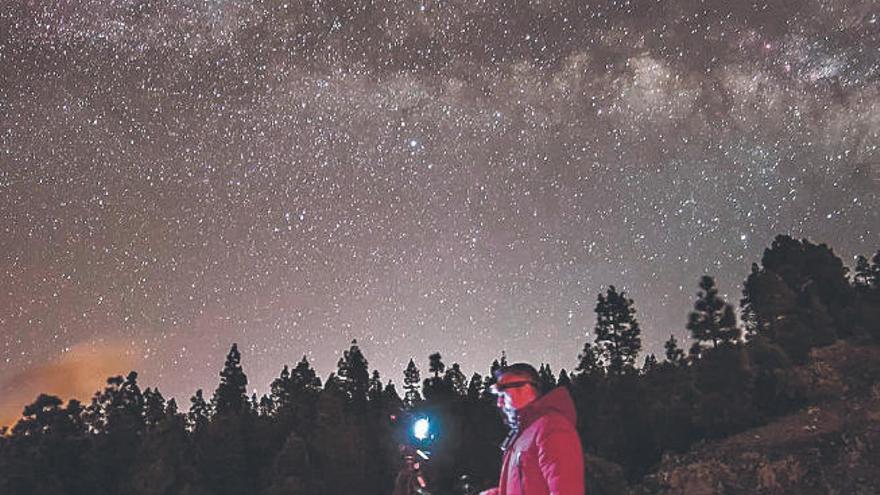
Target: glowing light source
x: 421, y: 428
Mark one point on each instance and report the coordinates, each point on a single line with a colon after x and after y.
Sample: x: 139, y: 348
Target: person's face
x: 514, y: 393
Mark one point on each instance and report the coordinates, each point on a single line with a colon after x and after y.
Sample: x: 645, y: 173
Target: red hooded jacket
x: 545, y: 455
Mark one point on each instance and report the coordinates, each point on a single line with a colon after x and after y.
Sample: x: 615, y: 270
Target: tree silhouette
x: 231, y: 395
x: 281, y: 390
x: 674, y: 355
x: 354, y: 375
x: 304, y: 377
x: 713, y: 319
x: 374, y: 393
x: 547, y: 381
x: 797, y: 321
x: 116, y: 415
x: 294, y: 396
x: 455, y: 380
x: 199, y: 412
x: 817, y: 279
x: 617, y: 331
x: 866, y: 276
x: 588, y: 362
x: 118, y: 408
x: 435, y: 364
x: 489, y: 379
x: 475, y: 387
x: 391, y: 398
x: 339, y: 444
x: 411, y: 381
x: 154, y: 407
x: 564, y: 379
x: 45, y: 417
x: 649, y: 364
x: 435, y: 387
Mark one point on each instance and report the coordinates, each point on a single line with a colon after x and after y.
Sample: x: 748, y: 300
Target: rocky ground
x: 830, y: 447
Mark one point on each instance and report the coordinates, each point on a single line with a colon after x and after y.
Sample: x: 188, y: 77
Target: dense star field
x: 457, y: 176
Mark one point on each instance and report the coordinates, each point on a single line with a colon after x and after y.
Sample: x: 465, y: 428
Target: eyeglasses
x: 497, y: 388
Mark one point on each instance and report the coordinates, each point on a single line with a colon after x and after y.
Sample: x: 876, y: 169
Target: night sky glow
x: 461, y: 176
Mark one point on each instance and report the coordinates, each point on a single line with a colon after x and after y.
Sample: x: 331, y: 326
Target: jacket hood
x: 557, y: 400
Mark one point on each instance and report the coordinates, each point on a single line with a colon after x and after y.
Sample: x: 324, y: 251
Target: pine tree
x: 867, y: 273
x: 489, y: 379
x: 475, y: 387
x: 456, y: 380
x: 674, y: 355
x: 411, y: 380
x: 435, y: 387
x: 793, y: 318
x: 231, y: 395
x: 303, y: 378
x: 649, y: 364
x: 752, y: 321
x: 817, y: 278
x: 117, y: 414
x: 354, y: 375
x: 375, y: 391
x: 154, y: 408
x: 617, y: 331
x: 338, y: 441
x: 171, y: 410
x: 564, y: 380
x: 547, y: 381
x: 391, y: 398
x: 588, y: 362
x: 40, y: 418
x: 199, y: 412
x: 435, y: 364
x: 265, y: 407
x: 281, y: 390
x: 118, y: 408
x: 295, y: 394
x: 713, y: 319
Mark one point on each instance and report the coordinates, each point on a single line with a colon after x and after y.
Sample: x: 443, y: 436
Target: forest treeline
x: 342, y: 435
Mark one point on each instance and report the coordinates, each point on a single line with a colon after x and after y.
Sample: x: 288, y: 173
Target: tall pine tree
x: 618, y: 336
x: 411, y: 381
x: 354, y: 375
x: 375, y: 391
x: 231, y: 395
x: 712, y: 320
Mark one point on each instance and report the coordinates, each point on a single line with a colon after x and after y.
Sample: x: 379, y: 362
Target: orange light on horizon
x: 76, y: 374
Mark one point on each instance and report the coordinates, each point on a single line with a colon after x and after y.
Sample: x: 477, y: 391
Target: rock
x: 830, y: 447
x: 603, y: 477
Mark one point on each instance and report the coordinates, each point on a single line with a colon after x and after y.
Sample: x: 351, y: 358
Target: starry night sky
x: 460, y: 176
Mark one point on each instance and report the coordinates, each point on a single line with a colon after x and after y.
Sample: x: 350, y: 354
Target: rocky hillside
x: 830, y: 447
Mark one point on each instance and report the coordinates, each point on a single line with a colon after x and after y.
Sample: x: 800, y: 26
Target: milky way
x: 458, y: 176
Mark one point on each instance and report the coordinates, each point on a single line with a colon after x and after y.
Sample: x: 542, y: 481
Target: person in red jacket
x: 542, y: 452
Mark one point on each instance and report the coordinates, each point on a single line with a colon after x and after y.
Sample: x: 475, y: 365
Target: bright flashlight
x: 421, y: 428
